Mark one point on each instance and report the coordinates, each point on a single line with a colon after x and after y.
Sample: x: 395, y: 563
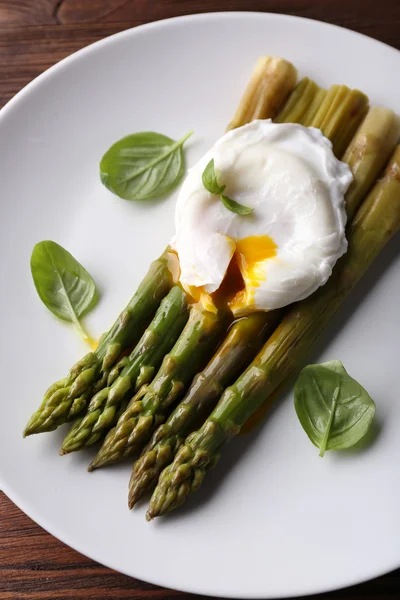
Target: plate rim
x: 10, y: 106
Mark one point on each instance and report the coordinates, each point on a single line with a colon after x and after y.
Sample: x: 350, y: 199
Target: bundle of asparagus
x: 240, y: 345
x: 132, y: 372
x: 374, y: 225
x: 381, y: 128
x: 121, y: 441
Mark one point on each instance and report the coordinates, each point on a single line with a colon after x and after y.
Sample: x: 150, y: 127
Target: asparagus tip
x: 132, y: 500
x: 30, y: 429
x: 96, y: 463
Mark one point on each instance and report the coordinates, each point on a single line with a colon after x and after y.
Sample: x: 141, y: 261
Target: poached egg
x: 287, y: 247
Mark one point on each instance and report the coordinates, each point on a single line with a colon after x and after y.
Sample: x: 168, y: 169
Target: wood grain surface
x: 35, y: 34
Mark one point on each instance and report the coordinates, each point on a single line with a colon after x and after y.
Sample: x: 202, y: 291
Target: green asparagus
x: 243, y: 341
x: 271, y: 82
x: 138, y: 369
x: 189, y: 355
x: 375, y: 223
x: 68, y: 398
x: 369, y: 151
x: 309, y: 115
x: 339, y: 116
x: 298, y: 102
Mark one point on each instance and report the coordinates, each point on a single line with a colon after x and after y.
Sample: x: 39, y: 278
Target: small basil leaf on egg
x: 210, y: 181
x: 211, y: 184
x: 235, y: 207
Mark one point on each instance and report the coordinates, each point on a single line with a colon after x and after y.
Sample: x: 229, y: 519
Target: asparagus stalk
x: 138, y: 369
x: 369, y: 151
x: 312, y: 110
x: 67, y: 398
x: 339, y: 116
x: 298, y: 102
x: 243, y: 341
x: 187, y: 357
x: 375, y: 223
x: 271, y: 82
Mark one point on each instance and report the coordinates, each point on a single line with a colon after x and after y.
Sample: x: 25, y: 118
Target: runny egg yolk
x: 251, y: 253
x: 245, y: 272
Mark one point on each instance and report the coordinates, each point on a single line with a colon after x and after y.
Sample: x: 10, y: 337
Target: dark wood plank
x: 34, y: 34
x: 67, y: 26
x: 33, y: 564
x: 28, y: 12
x: 25, y: 52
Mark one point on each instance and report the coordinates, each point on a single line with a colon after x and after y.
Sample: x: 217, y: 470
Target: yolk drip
x: 252, y: 251
x: 245, y: 270
x: 251, y: 254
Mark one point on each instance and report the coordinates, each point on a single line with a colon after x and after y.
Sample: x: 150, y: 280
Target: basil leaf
x: 143, y: 166
x: 209, y: 178
x: 235, y: 207
x: 63, y: 285
x: 211, y: 184
x: 334, y: 410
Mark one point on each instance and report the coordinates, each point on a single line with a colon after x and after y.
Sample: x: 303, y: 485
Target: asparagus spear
x: 339, y: 116
x: 369, y: 151
x: 243, y: 341
x: 271, y: 82
x: 138, y: 369
x: 67, y: 398
x: 375, y: 223
x: 298, y: 102
x: 312, y: 110
x: 187, y: 357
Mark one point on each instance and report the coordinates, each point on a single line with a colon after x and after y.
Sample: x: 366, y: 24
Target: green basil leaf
x: 235, y: 207
x: 334, y: 410
x: 210, y: 181
x: 143, y: 166
x: 211, y: 184
x: 63, y: 285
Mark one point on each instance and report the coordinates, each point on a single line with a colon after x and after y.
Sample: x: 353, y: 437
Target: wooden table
x: 35, y: 34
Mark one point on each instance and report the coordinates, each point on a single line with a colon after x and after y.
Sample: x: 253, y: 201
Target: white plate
x: 273, y: 519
